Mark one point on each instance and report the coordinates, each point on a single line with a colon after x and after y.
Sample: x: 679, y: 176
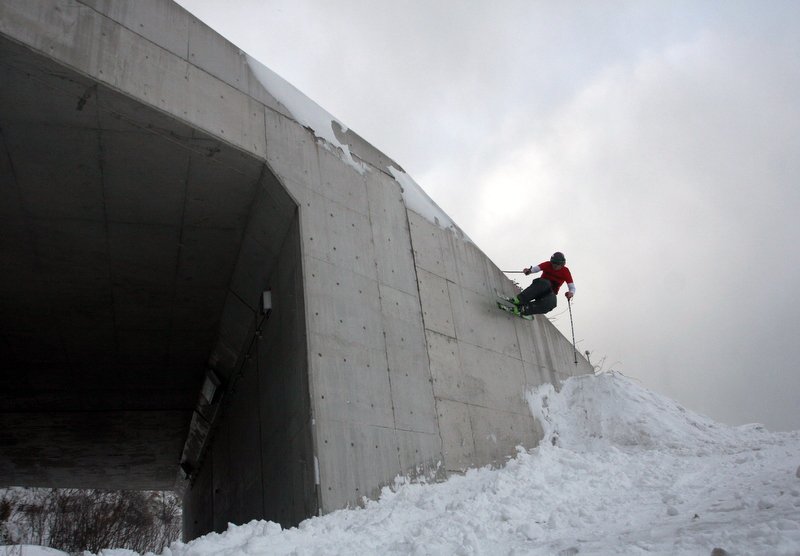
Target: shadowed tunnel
x: 134, y: 252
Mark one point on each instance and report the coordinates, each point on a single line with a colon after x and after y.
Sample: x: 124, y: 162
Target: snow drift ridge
x: 597, y: 412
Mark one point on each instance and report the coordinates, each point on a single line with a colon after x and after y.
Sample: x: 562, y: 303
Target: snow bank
x: 619, y: 413
x: 621, y: 470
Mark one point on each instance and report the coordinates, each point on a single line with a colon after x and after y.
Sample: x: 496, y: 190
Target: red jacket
x: 556, y: 277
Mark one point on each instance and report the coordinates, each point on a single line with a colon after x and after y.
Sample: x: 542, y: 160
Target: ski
x: 504, y: 297
x: 514, y: 311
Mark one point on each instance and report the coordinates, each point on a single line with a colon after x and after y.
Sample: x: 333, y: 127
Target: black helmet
x: 558, y: 258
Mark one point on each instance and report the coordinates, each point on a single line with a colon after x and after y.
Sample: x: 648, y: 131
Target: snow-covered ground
x: 30, y: 550
x: 621, y: 470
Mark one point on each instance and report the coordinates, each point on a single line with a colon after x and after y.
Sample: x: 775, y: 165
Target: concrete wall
x: 259, y: 462
x: 412, y: 367
x: 481, y: 359
x: 372, y: 398
x: 391, y: 358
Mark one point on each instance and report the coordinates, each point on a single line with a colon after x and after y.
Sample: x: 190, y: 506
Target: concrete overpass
x: 152, y: 189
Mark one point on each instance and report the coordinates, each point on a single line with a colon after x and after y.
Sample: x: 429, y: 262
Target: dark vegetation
x: 75, y: 520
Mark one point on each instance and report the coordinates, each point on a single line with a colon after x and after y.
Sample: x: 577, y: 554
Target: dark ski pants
x: 537, y: 298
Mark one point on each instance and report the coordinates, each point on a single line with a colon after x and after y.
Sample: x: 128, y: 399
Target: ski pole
x: 574, y: 349
x: 513, y: 271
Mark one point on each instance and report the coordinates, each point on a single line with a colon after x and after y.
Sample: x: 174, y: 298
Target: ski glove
x: 569, y: 295
x: 527, y: 271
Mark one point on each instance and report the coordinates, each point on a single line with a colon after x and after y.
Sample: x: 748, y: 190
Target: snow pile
x: 616, y: 412
x: 621, y: 470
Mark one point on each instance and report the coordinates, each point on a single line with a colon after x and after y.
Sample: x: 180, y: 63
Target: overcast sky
x: 657, y: 144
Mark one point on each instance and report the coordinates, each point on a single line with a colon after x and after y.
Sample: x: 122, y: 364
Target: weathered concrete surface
x: 481, y: 359
x: 154, y: 190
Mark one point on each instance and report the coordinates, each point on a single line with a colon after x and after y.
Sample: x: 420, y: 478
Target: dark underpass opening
x: 136, y: 252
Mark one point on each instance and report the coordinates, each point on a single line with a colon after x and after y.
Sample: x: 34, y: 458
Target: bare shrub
x: 75, y: 520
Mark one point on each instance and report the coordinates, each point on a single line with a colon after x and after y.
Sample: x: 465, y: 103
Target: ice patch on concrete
x: 417, y: 200
x: 311, y: 115
x: 307, y: 112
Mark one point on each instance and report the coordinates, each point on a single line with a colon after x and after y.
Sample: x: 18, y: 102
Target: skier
x: 540, y: 296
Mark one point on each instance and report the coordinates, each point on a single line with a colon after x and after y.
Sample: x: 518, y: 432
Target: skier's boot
x: 518, y: 311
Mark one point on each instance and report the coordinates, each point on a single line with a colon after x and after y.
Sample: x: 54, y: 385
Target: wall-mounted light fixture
x: 210, y: 386
x: 266, y: 302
